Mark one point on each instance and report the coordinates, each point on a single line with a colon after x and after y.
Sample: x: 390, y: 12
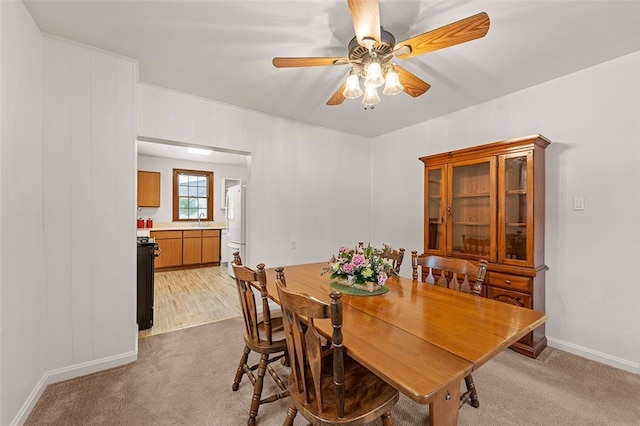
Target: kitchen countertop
x: 187, y: 226
x: 184, y: 228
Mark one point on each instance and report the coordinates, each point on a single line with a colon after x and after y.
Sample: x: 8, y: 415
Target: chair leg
x: 291, y: 414
x: 257, y: 389
x: 386, y: 418
x: 240, y: 371
x: 471, y: 389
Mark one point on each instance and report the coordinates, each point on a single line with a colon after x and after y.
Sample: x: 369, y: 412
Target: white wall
x: 592, y: 118
x: 22, y: 299
x: 165, y: 166
x: 89, y: 202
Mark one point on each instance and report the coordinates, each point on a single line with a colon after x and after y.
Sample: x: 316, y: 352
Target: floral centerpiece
x: 361, y: 267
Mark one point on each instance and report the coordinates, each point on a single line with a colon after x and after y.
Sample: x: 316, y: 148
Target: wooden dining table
x: 420, y: 338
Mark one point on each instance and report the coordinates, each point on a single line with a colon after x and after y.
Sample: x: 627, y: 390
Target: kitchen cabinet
x: 170, y: 246
x: 191, y: 247
x: 487, y: 202
x: 188, y: 248
x: 211, y: 246
x: 148, y: 189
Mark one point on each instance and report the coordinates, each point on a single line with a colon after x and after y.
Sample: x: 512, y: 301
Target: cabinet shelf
x: 517, y: 192
x: 518, y: 224
x: 471, y: 224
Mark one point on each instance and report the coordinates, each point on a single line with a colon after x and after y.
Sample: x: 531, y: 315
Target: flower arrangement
x: 361, y: 265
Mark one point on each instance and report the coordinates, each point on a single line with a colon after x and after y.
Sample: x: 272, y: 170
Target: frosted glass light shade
x: 371, y: 97
x: 392, y: 86
x: 374, y: 75
x: 352, y: 88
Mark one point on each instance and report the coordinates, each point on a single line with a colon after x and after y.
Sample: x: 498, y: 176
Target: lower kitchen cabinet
x: 189, y: 248
x: 211, y: 246
x: 192, y: 247
x: 170, y: 246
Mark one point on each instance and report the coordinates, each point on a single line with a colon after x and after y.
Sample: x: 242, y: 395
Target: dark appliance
x: 147, y: 252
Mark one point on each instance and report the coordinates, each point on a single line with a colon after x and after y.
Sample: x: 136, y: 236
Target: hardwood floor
x: 192, y: 297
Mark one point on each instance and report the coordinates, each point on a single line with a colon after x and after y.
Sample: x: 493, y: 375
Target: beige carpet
x: 184, y: 378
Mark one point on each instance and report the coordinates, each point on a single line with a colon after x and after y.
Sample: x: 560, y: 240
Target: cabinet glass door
x: 515, y: 187
x: 434, y: 211
x: 471, y: 210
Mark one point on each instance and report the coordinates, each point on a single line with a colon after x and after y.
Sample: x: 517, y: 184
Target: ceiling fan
x: 373, y: 49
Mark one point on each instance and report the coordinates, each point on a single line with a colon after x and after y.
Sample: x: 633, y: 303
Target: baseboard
x: 70, y: 372
x: 34, y: 396
x: 623, y: 364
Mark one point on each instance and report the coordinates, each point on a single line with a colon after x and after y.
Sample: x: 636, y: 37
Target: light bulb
x: 374, y: 75
x: 392, y: 85
x: 352, y: 88
x: 371, y: 97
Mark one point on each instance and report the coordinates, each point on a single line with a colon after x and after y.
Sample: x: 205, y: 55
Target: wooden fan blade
x: 412, y: 85
x: 366, y: 20
x: 308, y: 62
x: 337, y: 97
x: 467, y: 29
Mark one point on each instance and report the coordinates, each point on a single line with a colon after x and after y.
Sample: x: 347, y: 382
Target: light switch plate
x: 578, y: 203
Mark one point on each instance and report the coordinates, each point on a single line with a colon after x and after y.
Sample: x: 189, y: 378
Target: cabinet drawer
x: 161, y: 235
x: 507, y: 296
x: 192, y: 234
x: 211, y: 233
x: 514, y: 282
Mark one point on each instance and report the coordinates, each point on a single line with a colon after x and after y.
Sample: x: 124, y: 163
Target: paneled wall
x: 22, y: 298
x: 591, y: 303
x: 89, y: 203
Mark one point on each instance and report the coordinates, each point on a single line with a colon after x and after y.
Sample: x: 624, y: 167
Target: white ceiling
x: 222, y: 50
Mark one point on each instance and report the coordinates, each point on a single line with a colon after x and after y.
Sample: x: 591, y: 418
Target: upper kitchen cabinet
x: 148, y: 189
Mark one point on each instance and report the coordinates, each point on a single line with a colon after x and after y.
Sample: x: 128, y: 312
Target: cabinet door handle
x: 507, y: 282
x: 449, y: 212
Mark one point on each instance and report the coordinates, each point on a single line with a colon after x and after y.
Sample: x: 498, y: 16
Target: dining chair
x: 394, y: 256
x: 263, y: 334
x: 327, y: 386
x: 473, y: 245
x: 447, y: 272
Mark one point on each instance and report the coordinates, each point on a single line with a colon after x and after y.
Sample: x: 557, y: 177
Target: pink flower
x: 382, y: 278
x: 358, y: 260
x: 348, y: 268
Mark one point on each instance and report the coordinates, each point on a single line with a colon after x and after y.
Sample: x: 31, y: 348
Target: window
x: 192, y: 195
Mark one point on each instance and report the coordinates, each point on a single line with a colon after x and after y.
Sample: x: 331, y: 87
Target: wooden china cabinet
x: 487, y: 202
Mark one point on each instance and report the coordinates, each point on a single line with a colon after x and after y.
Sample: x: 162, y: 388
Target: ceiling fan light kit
x: 372, y: 50
x: 392, y: 83
x: 352, y: 88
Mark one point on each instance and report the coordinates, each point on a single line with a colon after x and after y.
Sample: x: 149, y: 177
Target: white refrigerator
x: 235, y: 221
